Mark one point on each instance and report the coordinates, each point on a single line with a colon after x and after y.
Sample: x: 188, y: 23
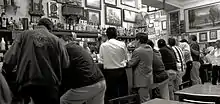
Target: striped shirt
x: 179, y: 58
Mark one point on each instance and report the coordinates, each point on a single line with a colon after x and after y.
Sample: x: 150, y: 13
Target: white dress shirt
x: 113, y: 54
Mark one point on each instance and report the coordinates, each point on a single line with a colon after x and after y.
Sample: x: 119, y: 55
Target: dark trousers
x: 215, y: 74
x: 204, y: 72
x: 186, y: 77
x: 117, y: 84
x: 40, y: 95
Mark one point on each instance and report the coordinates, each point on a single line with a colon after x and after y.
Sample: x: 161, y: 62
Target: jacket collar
x: 40, y: 27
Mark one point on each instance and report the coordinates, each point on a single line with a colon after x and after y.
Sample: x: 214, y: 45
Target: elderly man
x: 39, y: 58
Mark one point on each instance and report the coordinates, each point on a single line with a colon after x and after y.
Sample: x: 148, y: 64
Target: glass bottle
x: 3, y: 44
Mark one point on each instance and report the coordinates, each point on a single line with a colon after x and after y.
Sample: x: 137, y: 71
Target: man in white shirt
x: 113, y: 54
x: 216, y: 63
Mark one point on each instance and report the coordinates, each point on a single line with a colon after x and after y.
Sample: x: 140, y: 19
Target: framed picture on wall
x: 93, y: 17
x: 129, y: 16
x: 113, y: 15
x: 52, y: 9
x: 203, y: 17
x: 164, y: 25
x: 213, y: 35
x: 111, y: 2
x: 131, y: 3
x: 203, y: 37
x: 95, y: 4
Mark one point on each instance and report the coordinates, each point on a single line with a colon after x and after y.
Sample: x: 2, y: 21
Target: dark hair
x: 111, y: 33
x: 193, y: 38
x: 47, y: 23
x: 143, y: 37
x: 172, y: 41
x: 161, y: 43
x: 184, y: 40
x: 151, y: 43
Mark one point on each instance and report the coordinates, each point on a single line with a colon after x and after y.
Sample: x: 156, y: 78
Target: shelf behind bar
x: 80, y: 34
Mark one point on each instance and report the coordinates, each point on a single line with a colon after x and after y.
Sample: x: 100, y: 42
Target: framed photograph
x: 95, y: 4
x: 129, y: 16
x: 111, y: 2
x: 131, y: 3
x: 203, y: 18
x: 203, y: 37
x: 36, y: 8
x: 113, y: 16
x: 52, y: 9
x: 151, y: 25
x: 213, y: 35
x: 164, y: 25
x: 93, y: 17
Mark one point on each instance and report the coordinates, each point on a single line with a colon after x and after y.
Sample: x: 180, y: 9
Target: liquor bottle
x: 3, y: 44
x: 55, y: 24
x: 20, y: 25
x: 3, y: 20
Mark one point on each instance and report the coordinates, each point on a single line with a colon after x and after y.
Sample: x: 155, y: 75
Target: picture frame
x: 111, y: 2
x: 36, y: 8
x: 94, y: 4
x: 203, y: 37
x: 213, y: 35
x: 52, y: 8
x: 93, y: 17
x: 202, y: 18
x: 164, y: 25
x: 113, y: 15
x: 130, y: 3
x: 129, y: 16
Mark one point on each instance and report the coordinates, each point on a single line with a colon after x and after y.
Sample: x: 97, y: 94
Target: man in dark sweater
x: 83, y: 79
x: 169, y: 60
x: 195, y: 52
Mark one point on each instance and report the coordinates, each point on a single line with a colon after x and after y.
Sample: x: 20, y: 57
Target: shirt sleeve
x: 134, y: 59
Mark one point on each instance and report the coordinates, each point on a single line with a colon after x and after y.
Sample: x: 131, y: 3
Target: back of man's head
x: 143, y: 37
x: 172, y: 42
x: 46, y: 22
x: 111, y: 33
x: 193, y: 37
x: 161, y: 43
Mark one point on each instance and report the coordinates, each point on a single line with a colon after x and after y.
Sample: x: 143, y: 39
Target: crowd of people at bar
x: 40, y: 68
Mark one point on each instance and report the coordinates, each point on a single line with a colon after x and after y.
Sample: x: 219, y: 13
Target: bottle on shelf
x: 20, y: 25
x: 3, y: 44
x: 3, y: 21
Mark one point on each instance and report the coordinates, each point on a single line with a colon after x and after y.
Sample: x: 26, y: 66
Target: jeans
x: 215, y: 74
x: 93, y: 94
x: 194, y: 75
x: 186, y: 77
x: 172, y: 80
